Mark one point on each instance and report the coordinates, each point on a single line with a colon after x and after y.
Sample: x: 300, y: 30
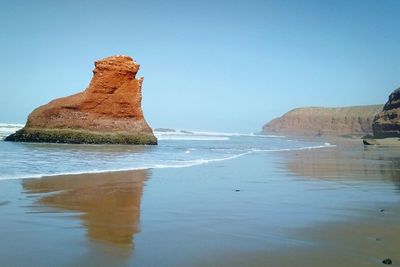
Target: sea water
x: 242, y: 204
x: 175, y: 150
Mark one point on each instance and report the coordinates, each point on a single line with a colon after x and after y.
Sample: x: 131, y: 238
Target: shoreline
x: 198, y: 163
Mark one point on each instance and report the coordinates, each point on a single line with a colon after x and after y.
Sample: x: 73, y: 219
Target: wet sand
x: 325, y: 207
x: 363, y: 242
x: 368, y: 238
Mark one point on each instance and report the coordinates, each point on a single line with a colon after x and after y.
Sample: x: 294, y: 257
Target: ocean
x: 175, y: 150
x: 199, y: 199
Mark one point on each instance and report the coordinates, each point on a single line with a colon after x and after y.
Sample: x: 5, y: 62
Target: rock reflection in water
x: 109, y: 202
x: 350, y: 161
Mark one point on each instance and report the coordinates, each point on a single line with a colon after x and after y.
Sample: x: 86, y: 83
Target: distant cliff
x: 317, y: 121
x: 387, y: 122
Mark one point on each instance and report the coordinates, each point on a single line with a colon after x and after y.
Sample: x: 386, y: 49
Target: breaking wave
x: 176, y: 149
x: 8, y: 128
x: 205, y: 136
x: 161, y: 164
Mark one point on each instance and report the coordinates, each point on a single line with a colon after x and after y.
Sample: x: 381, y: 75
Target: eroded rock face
x: 387, y: 122
x: 108, y: 111
x: 316, y: 121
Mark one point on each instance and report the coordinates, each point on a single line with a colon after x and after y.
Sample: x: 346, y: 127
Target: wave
x: 237, y: 134
x: 190, y: 136
x: 206, y: 136
x: 193, y: 138
x: 176, y: 164
x: 5, y: 125
x: 8, y: 128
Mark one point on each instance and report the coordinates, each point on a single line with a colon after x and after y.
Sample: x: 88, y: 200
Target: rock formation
x: 387, y: 122
x: 316, y: 121
x: 108, y: 111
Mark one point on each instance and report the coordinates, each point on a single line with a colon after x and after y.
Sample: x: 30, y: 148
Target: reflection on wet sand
x: 348, y: 160
x: 109, y: 202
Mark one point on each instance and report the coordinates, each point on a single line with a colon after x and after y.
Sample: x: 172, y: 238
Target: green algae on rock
x: 73, y: 136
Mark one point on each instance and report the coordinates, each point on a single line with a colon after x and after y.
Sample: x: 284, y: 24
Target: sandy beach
x: 336, y: 206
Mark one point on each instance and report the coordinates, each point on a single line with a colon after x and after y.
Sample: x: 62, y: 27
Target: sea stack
x: 387, y: 123
x: 108, y: 112
x: 353, y: 121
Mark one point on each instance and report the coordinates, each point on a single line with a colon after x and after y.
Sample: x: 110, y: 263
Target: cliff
x: 108, y: 111
x: 387, y: 122
x: 317, y: 121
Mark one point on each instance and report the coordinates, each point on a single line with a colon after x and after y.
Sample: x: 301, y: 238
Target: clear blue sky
x: 211, y: 65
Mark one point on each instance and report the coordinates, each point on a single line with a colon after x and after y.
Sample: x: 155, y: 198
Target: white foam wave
x: 183, y: 164
x: 192, y: 138
x: 228, y: 134
x: 9, y: 128
x: 5, y: 125
x: 206, y: 136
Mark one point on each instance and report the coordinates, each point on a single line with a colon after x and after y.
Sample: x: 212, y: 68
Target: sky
x: 207, y: 65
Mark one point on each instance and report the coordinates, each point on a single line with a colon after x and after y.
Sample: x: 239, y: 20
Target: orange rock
x: 108, y: 111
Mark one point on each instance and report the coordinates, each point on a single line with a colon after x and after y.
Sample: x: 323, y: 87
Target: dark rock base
x: 386, y: 130
x: 382, y: 141
x: 74, y: 136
